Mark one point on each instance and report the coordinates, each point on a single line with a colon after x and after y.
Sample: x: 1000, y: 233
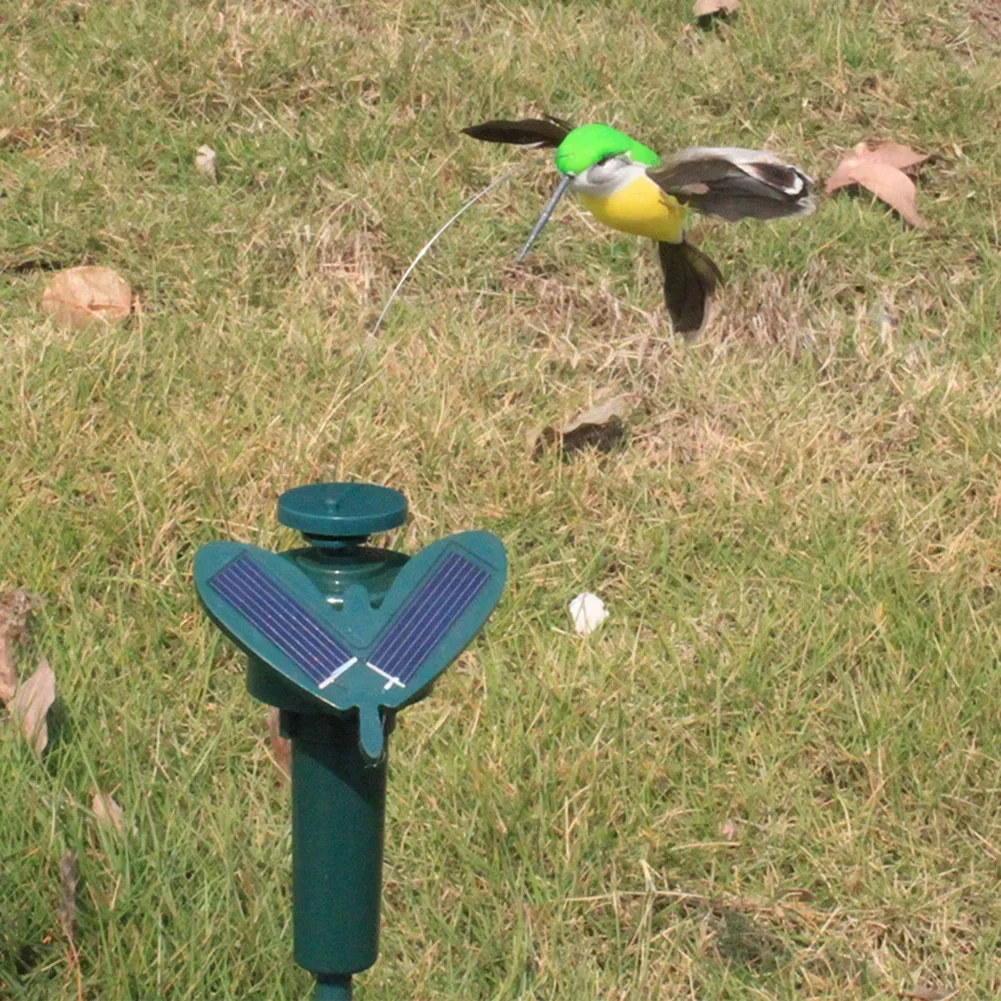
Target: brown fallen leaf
x: 887, y: 183
x: 15, y: 607
x: 707, y: 8
x: 281, y: 747
x: 601, y: 426
x: 67, y: 894
x: 107, y: 811
x: 881, y: 171
x: 31, y: 703
x: 8, y: 670
x: 989, y: 18
x: 80, y: 296
x: 887, y: 151
x: 927, y: 994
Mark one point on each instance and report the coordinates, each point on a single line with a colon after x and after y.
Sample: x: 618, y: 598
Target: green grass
x: 774, y: 771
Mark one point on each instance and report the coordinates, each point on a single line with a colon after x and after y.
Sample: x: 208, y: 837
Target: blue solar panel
x: 282, y: 620
x: 425, y: 617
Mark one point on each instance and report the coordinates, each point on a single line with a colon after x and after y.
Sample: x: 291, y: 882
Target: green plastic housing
x: 339, y: 724
x: 338, y: 795
x: 338, y: 820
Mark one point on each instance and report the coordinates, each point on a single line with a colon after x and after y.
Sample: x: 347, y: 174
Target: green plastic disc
x: 342, y: 510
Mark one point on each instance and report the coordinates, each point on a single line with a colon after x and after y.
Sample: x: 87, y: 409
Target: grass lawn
x: 774, y: 771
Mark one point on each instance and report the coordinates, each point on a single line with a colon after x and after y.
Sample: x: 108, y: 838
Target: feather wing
x: 535, y: 132
x: 735, y: 183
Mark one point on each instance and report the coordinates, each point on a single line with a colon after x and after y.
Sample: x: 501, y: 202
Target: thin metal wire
x: 370, y: 338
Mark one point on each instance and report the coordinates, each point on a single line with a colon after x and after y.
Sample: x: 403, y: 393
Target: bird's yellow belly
x: 641, y: 208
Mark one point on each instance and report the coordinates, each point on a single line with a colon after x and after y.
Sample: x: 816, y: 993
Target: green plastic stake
x: 341, y: 636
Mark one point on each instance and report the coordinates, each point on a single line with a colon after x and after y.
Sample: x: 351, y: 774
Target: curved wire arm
x: 370, y: 339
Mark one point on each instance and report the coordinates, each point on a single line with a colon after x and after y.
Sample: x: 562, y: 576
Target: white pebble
x: 588, y: 612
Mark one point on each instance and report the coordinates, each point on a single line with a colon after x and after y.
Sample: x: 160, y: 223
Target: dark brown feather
x: 690, y: 279
x: 527, y: 132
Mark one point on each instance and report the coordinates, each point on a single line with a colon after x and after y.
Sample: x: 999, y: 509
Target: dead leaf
x: 67, y: 894
x: 707, y: 8
x: 81, y: 296
x: 8, y: 669
x: 205, y: 162
x: 887, y: 151
x: 15, y: 607
x: 881, y: 171
x: 107, y: 811
x: 33, y: 700
x: 990, y: 20
x: 281, y: 747
x: 601, y: 426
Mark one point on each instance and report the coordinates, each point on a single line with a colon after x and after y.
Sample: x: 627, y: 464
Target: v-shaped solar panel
x: 282, y: 620
x: 357, y: 656
x: 428, y: 613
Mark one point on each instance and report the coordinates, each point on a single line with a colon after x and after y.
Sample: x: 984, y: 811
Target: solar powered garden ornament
x: 628, y: 187
x: 341, y: 636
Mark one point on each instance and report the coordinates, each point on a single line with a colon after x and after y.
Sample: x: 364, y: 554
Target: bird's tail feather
x: 690, y: 279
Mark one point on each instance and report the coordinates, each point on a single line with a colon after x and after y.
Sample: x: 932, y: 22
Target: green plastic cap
x: 337, y: 511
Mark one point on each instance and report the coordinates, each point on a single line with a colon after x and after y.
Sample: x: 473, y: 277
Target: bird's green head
x: 584, y: 147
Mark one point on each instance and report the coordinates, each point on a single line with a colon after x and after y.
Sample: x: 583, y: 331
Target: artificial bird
x: 627, y: 186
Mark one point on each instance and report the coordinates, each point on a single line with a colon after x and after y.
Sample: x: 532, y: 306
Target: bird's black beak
x: 546, y: 213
